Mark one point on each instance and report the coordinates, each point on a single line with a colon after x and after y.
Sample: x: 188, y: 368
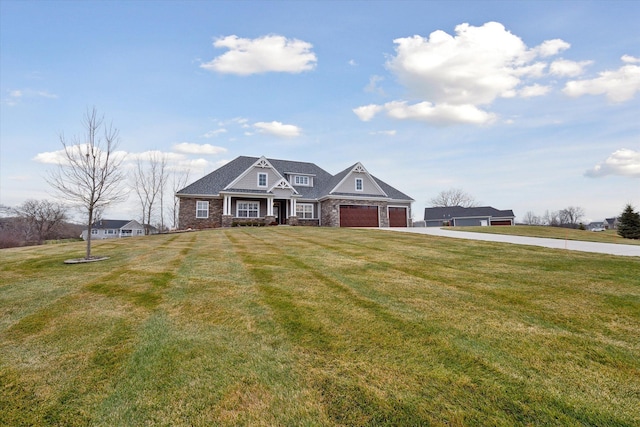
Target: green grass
x: 317, y: 326
x: 607, y: 236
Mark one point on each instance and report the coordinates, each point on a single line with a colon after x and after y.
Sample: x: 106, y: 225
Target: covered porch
x: 239, y: 209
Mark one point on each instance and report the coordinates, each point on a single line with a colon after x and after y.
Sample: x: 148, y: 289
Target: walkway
x: 572, y: 245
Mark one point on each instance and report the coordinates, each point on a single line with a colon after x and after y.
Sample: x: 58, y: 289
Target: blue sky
x: 530, y: 106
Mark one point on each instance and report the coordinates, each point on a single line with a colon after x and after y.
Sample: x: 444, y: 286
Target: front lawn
x: 607, y: 236
x: 317, y: 326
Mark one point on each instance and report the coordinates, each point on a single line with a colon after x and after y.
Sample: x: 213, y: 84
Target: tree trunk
x: 89, y: 229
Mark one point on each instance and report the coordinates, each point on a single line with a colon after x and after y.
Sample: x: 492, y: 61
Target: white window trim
x: 266, y: 179
x: 361, y: 181
x: 240, y: 202
x: 206, y: 202
x: 304, y: 211
x: 306, y: 180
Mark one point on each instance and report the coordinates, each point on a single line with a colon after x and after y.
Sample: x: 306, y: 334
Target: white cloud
x: 51, y: 157
x: 618, y: 86
x: 475, y: 66
x: 17, y: 95
x: 440, y: 114
x: 623, y: 162
x: 272, y: 53
x: 373, y: 85
x: 214, y: 133
x: 567, y: 68
x: 384, y: 132
x: 278, y: 129
x: 551, y: 47
x: 191, y: 148
x: 59, y: 157
x: 367, y: 112
x: 534, y: 90
x: 451, y: 76
x: 630, y: 59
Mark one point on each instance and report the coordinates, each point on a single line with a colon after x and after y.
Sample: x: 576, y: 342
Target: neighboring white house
x: 114, y: 229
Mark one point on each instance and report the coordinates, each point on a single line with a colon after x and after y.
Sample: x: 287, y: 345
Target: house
x: 596, y: 226
x: 252, y: 190
x: 113, y: 229
x: 611, y: 223
x: 459, y: 216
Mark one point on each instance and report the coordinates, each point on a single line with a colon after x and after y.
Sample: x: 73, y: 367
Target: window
x: 304, y: 210
x: 302, y: 180
x: 359, y: 184
x: 248, y: 209
x: 110, y: 231
x: 262, y: 180
x: 202, y: 209
x: 94, y: 231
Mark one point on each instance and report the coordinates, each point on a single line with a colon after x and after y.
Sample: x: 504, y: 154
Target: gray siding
x: 349, y: 185
x: 250, y: 180
x: 469, y: 222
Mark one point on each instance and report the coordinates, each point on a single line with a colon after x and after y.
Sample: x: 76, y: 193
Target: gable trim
x: 359, y: 168
x: 262, y: 163
x: 283, y: 184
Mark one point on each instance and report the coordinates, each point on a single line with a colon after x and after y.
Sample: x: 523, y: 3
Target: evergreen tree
x: 629, y: 223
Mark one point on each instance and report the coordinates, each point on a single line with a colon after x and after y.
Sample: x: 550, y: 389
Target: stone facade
x: 329, y: 214
x: 187, y: 216
x: 330, y: 210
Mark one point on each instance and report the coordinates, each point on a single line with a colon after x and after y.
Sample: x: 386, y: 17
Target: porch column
x: 293, y: 207
x: 226, y: 205
x: 270, y: 206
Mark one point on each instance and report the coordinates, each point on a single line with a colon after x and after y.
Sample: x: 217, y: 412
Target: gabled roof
x: 339, y: 178
x: 262, y: 163
x: 109, y: 224
x: 323, y: 182
x: 460, y: 212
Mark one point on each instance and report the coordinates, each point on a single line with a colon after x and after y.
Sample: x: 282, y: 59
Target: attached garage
x: 358, y: 216
x: 397, y: 217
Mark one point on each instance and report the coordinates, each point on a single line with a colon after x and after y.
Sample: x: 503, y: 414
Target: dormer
x: 301, y: 179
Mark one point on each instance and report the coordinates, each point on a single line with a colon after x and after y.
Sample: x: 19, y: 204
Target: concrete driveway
x: 571, y: 245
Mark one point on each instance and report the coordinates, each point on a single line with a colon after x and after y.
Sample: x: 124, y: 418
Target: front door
x: 276, y: 211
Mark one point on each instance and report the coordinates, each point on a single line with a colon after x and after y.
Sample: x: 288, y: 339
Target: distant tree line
x: 569, y: 217
x: 34, y: 222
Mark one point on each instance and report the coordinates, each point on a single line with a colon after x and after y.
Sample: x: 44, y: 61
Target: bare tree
x: 571, y: 216
x: 453, y: 197
x: 41, y: 218
x: 178, y: 182
x: 149, y: 181
x: 551, y: 218
x: 90, y: 175
x: 531, y: 218
x: 5, y: 211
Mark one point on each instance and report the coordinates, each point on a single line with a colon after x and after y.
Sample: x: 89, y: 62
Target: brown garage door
x: 397, y: 217
x: 501, y: 222
x: 358, y: 216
